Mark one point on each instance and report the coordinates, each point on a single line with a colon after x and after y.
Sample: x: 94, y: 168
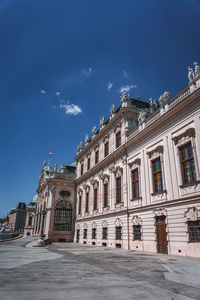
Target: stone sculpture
x: 94, y: 131
x: 142, y: 117
x: 190, y: 74
x: 86, y: 139
x: 197, y: 69
x: 164, y: 99
x: 112, y: 110
x: 102, y: 122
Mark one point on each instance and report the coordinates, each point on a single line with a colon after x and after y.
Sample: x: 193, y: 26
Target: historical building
x: 55, y: 212
x: 30, y: 216
x: 138, y: 176
x: 17, y: 218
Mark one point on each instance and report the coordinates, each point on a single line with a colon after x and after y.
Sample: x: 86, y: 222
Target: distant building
x: 55, y: 214
x: 17, y: 218
x: 30, y: 216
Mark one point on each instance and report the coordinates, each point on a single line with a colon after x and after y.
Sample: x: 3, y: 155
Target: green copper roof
x: 35, y: 199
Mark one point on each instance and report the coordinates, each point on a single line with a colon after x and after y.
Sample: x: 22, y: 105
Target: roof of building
x: 35, y: 199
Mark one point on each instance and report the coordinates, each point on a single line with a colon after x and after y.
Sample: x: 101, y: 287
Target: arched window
x: 63, y: 216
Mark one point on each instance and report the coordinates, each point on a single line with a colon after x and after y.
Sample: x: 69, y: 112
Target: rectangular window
x: 94, y: 233
x: 187, y: 163
x: 104, y: 233
x: 157, y: 175
x: 95, y: 199
x: 137, y: 232
x: 87, y: 203
x: 81, y: 169
x: 105, y: 199
x: 118, y: 232
x: 97, y: 157
x: 194, y: 231
x: 118, y: 190
x: 88, y: 163
x: 79, y: 205
x: 106, y: 149
x: 118, y: 139
x: 85, y: 233
x: 135, y: 184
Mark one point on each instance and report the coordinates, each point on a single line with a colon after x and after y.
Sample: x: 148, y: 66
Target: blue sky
x: 64, y: 62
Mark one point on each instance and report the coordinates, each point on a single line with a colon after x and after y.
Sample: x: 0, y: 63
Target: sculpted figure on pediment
x: 125, y: 99
x: 153, y: 105
x: 102, y: 122
x: 192, y: 214
x: 112, y: 110
x: 86, y: 139
x: 94, y: 131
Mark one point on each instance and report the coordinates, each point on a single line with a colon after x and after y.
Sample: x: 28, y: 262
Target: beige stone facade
x: 138, y: 177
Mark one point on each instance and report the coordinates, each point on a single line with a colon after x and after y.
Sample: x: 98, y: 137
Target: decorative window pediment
x: 155, y: 152
x: 160, y: 212
x: 118, y: 222
x: 184, y: 137
x: 105, y: 224
x: 192, y: 214
x: 137, y: 220
x: 135, y: 163
x: 94, y: 225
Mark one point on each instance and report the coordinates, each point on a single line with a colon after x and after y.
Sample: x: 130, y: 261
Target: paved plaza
x: 71, y: 271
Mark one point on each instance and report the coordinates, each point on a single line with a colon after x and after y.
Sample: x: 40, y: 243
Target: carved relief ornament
x: 184, y: 137
x: 118, y: 222
x: 192, y: 213
x: 137, y: 220
x: 135, y: 164
x: 155, y: 152
x: 160, y: 212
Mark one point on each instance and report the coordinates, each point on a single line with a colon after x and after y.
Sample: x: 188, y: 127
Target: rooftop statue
x: 153, y: 105
x: 164, y: 99
x: 81, y: 145
x: 112, y: 109
x: 55, y: 168
x: 86, y: 139
x: 142, y: 117
x: 190, y: 74
x: 125, y: 98
x: 94, y: 131
x: 102, y: 121
x: 197, y: 69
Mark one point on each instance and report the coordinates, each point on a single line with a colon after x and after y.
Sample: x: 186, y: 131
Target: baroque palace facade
x: 137, y: 182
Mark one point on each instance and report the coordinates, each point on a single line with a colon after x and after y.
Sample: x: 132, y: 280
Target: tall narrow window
x: 157, y: 175
x: 87, y: 203
x: 194, y: 231
x: 94, y: 231
x: 106, y: 149
x: 105, y: 200
x: 118, y: 190
x: 97, y: 157
x: 95, y: 199
x: 118, y: 232
x: 104, y: 233
x: 88, y: 163
x: 79, y: 205
x: 135, y: 184
x: 63, y: 216
x: 137, y: 232
x: 85, y: 233
x: 118, y: 139
x: 187, y: 163
x: 81, y: 169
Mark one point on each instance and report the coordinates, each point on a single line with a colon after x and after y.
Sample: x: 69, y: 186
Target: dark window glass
x: 106, y: 149
x: 97, y: 157
x: 137, y: 232
x: 30, y: 220
x: 95, y: 199
x: 118, y: 190
x: 85, y: 233
x: 63, y: 216
x: 105, y: 200
x: 118, y: 232
x: 118, y: 139
x: 81, y: 169
x: 135, y: 184
x: 194, y: 231
x: 187, y: 163
x: 80, y: 203
x: 157, y: 175
x: 104, y: 233
x: 94, y: 233
x: 87, y: 203
x: 88, y: 163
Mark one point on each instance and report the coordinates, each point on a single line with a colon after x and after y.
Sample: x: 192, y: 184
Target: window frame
x: 96, y: 156
x: 118, y: 189
x: 118, y: 230
x: 87, y: 202
x: 156, y: 179
x: 135, y: 232
x: 118, y: 139
x: 106, y: 148
x: 185, y: 161
x: 135, y: 181
x: 95, y: 203
x: 104, y: 233
x: 191, y: 232
x: 105, y: 193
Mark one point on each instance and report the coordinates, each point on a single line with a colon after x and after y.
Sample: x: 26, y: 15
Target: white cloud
x: 71, y: 109
x: 127, y: 88
x: 125, y: 73
x: 87, y: 72
x: 109, y: 85
x: 57, y: 93
x: 42, y: 92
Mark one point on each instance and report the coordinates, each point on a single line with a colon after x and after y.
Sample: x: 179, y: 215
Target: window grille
x: 63, y: 216
x: 118, y: 232
x: 194, y: 231
x: 137, y: 232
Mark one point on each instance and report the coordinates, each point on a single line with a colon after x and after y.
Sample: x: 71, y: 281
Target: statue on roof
x: 197, y: 69
x: 190, y: 74
x: 55, y: 168
x: 112, y: 109
x: 86, y: 139
x: 94, y: 131
x: 44, y: 163
x: 102, y: 122
x: 142, y: 117
x: 153, y: 105
x: 164, y: 99
x: 125, y: 99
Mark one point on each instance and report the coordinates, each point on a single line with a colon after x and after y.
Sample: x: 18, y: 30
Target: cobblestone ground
x: 72, y: 272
